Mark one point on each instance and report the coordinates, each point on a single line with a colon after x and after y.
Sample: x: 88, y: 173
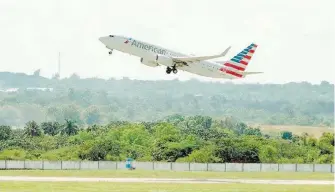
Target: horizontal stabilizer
x: 250, y: 73
x: 200, y: 58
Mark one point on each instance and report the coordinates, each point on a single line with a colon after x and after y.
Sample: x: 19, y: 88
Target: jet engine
x: 164, y: 60
x: 150, y: 63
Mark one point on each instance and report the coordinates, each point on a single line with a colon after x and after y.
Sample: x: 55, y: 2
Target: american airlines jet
x: 154, y: 55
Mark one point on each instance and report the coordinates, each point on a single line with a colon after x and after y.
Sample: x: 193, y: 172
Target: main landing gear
x: 110, y: 52
x: 173, y: 69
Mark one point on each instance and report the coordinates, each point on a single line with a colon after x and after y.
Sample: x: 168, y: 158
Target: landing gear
x: 110, y: 52
x: 173, y: 69
x: 168, y: 70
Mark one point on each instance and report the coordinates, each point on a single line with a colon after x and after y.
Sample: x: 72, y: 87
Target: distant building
x: 40, y: 88
x: 9, y: 90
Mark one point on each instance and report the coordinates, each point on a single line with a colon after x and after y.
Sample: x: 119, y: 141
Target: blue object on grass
x: 129, y: 163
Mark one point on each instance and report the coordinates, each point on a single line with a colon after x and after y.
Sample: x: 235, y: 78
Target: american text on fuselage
x: 150, y: 48
x: 158, y: 51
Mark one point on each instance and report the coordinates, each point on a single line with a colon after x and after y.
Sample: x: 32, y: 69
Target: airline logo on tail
x: 237, y: 65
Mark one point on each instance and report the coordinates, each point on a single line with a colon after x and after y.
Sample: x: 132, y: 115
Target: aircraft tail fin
x: 237, y: 65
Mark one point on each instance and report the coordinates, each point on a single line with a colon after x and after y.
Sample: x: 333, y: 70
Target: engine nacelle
x: 150, y: 63
x: 164, y: 60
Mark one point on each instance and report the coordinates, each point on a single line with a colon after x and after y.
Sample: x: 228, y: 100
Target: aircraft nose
x: 103, y: 39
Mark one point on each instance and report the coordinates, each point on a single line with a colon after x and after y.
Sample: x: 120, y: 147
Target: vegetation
x: 154, y: 187
x: 97, y: 101
x: 174, y: 139
x: 96, y: 119
x: 170, y: 174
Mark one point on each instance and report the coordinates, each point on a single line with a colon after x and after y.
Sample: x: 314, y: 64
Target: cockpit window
x: 111, y: 35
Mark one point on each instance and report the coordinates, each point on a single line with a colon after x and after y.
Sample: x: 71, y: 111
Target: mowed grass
x: 168, y: 174
x: 141, y: 187
x: 295, y: 129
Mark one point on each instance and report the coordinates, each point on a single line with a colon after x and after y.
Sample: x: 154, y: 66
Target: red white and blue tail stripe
x: 237, y: 65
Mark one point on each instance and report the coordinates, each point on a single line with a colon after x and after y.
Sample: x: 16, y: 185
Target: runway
x: 165, y: 180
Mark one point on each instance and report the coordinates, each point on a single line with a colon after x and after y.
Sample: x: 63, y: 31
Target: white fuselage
x: 147, y: 51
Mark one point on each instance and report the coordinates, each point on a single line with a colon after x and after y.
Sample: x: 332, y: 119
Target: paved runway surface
x: 164, y: 180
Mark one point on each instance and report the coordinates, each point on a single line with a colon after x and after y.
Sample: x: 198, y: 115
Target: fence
x: 223, y: 167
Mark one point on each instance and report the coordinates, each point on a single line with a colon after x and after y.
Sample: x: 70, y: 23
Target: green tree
x: 202, y: 155
x: 32, y: 129
x: 70, y: 128
x: 286, y: 135
x: 5, y: 132
x: 50, y: 128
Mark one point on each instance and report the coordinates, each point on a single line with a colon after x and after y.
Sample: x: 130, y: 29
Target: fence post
x: 278, y: 167
x: 206, y: 166
x: 42, y: 164
x: 296, y: 167
x: 313, y: 167
x: 61, y: 165
x: 171, y: 166
x: 24, y: 164
x: 6, y: 164
x: 153, y: 165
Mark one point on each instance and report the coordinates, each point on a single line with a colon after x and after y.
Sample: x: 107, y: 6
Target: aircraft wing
x: 200, y: 58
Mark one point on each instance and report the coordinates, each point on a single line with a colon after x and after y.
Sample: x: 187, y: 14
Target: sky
x: 295, y: 37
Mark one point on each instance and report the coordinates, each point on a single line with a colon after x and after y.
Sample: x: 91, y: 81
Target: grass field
x: 295, y: 129
x: 169, y: 174
x: 159, y: 187
x: 139, y: 187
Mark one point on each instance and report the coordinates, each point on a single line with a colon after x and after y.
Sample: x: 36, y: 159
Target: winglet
x: 225, y: 52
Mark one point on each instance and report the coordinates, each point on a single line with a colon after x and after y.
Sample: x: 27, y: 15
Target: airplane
x: 154, y: 55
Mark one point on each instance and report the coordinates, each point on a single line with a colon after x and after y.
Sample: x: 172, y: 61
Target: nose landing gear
x: 110, y: 52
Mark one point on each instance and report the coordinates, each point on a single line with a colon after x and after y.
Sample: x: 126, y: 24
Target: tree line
x: 97, y: 101
x: 176, y: 138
